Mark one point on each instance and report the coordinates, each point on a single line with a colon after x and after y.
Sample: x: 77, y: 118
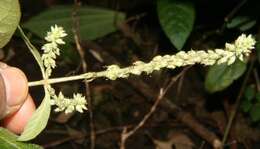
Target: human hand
x: 16, y: 105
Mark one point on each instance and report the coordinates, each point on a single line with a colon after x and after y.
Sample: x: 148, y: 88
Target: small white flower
x: 231, y: 60
x: 56, y: 34
x: 69, y: 109
x: 80, y: 103
x: 222, y: 60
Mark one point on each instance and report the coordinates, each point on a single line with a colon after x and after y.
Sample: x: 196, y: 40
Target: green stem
x: 86, y: 76
x: 56, y: 80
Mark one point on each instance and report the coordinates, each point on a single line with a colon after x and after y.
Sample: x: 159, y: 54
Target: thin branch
x: 98, y: 132
x: 235, y: 10
x: 81, y: 52
x: 231, y: 14
x: 126, y: 134
x: 174, y: 110
x: 237, y: 104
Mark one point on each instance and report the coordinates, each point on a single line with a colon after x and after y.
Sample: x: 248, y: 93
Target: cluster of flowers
x: 78, y: 103
x: 51, y: 48
x: 50, y: 51
x: 238, y: 50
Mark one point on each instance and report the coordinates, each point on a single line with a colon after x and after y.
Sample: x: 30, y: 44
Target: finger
x: 2, y: 98
x: 16, y: 89
x: 18, y: 120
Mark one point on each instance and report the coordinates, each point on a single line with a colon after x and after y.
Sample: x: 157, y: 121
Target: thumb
x: 2, y: 98
x: 14, y: 89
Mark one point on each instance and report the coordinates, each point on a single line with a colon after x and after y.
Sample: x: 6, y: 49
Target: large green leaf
x: 221, y: 76
x: 177, y: 18
x: 9, y: 19
x: 8, y: 141
x: 38, y: 120
x: 94, y: 22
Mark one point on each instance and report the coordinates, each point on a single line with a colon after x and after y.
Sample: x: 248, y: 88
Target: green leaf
x: 221, y: 76
x: 246, y: 105
x: 94, y: 22
x: 8, y: 141
x: 255, y: 112
x: 40, y: 117
x: 176, y: 18
x: 38, y: 121
x: 33, y: 51
x: 250, y: 92
x: 9, y: 19
x: 243, y: 23
x: 247, y: 26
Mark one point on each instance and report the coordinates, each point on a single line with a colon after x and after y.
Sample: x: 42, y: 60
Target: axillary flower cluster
x: 238, y: 50
x: 51, y: 48
x: 50, y: 51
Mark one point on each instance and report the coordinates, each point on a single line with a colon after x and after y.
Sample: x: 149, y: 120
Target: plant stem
x: 180, y: 59
x: 86, y: 76
x: 237, y: 104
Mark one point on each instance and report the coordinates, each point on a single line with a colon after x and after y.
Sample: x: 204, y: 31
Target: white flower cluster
x: 238, y: 50
x: 77, y: 103
x: 51, y: 49
x: 241, y: 48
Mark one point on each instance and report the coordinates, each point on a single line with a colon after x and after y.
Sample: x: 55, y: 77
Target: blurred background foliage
x: 123, y: 31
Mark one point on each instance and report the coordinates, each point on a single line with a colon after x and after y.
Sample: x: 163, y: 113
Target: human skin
x: 16, y: 105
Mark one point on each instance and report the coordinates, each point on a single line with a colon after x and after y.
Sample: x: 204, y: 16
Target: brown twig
x: 234, y: 10
x: 184, y: 117
x: 231, y: 14
x: 192, y: 123
x: 126, y: 134
x: 237, y: 103
x: 126, y: 30
x: 98, y: 133
x: 84, y: 67
x: 179, y: 86
x: 83, y: 135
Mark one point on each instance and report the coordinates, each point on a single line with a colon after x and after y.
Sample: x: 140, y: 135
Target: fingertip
x: 16, y: 85
x: 17, y: 121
